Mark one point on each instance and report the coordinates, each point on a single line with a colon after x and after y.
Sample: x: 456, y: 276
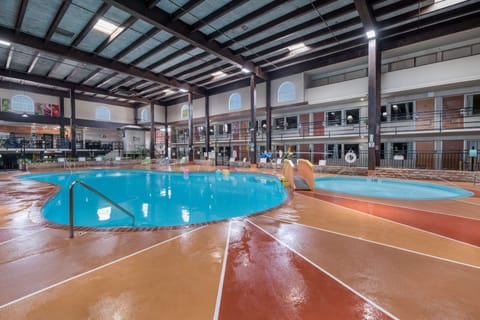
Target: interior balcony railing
x: 418, y: 123
x: 434, y: 160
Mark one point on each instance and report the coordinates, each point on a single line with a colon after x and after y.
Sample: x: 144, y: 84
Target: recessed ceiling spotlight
x: 371, y: 34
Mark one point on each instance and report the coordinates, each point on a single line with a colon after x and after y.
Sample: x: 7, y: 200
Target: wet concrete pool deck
x: 321, y: 255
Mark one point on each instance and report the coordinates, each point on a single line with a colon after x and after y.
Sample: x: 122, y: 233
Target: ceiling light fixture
x: 245, y: 70
x: 24, y: 115
x: 371, y: 34
x: 183, y: 90
x: 219, y: 74
x: 5, y: 43
x: 167, y: 91
x: 105, y: 26
x: 297, y: 48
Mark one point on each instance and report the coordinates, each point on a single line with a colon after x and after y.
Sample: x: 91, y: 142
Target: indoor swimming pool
x: 159, y: 199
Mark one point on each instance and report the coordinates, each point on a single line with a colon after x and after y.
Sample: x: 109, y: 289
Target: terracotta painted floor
x: 318, y: 256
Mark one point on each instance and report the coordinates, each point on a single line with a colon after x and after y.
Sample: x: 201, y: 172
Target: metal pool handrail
x: 101, y: 195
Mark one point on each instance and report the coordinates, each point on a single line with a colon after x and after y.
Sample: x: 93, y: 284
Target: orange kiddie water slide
x: 302, y: 179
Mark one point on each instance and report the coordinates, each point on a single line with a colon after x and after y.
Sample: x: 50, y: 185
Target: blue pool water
x: 390, y: 188
x: 160, y: 198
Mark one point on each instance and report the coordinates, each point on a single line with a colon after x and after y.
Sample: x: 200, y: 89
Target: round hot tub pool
x: 390, y: 188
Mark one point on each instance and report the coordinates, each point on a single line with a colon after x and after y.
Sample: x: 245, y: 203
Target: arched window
x: 235, y: 101
x: 286, y: 92
x: 102, y: 113
x: 22, y: 103
x: 185, y: 111
x: 144, y: 115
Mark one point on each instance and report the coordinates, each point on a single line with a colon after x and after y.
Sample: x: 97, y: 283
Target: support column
x: 190, y: 128
x: 152, y: 130
x: 207, y: 124
x: 268, y: 109
x: 253, y: 120
x: 374, y: 77
x: 62, y: 119
x: 73, y: 132
x: 135, y: 115
x: 166, y: 133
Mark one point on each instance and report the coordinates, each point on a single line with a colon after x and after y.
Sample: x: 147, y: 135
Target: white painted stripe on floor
x: 97, y: 268
x: 222, y: 274
x: 326, y: 272
x: 404, y: 206
x: 395, y: 222
x: 22, y: 236
x: 378, y: 243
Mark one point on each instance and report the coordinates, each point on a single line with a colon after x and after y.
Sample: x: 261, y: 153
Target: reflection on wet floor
x: 318, y: 256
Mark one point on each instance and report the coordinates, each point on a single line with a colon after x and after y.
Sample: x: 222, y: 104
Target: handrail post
x: 86, y: 186
x: 71, y: 208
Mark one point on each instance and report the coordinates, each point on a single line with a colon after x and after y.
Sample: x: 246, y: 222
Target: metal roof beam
x: 365, y: 12
x: 161, y: 20
x: 54, y: 67
x: 153, y: 51
x: 57, y: 19
x: 21, y: 14
x: 64, y: 84
x: 107, y: 79
x: 185, y: 8
x: 123, y: 27
x: 5, y: 84
x: 100, y: 12
x: 172, y: 56
x: 217, y: 13
x: 89, y: 58
x: 135, y: 44
x: 271, y: 24
x: 9, y: 57
x: 33, y: 63
x: 241, y: 21
x: 119, y: 83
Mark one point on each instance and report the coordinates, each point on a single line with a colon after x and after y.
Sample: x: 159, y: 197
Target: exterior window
x: 102, y: 113
x: 292, y: 122
x: 473, y: 103
x: 402, y: 111
x: 235, y: 101
x: 263, y: 125
x: 334, y: 151
x: 352, y: 116
x: 182, y: 135
x: 286, y: 92
x: 200, y: 131
x: 224, y: 128
x: 22, y: 103
x: 279, y: 123
x: 351, y: 147
x: 334, y: 118
x: 384, y: 114
x: 185, y: 111
x: 144, y: 115
x: 400, y: 148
